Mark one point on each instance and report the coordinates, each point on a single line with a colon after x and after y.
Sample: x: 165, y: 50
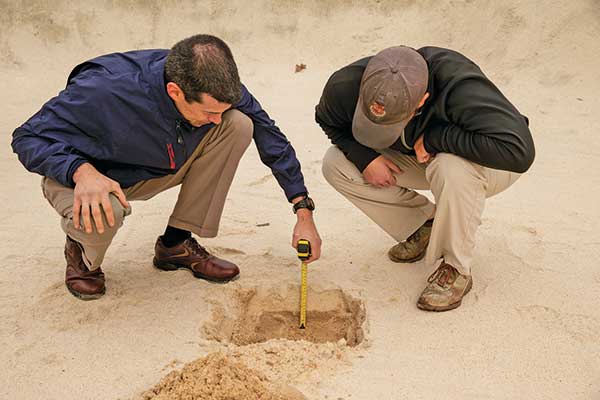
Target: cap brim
x: 375, y: 136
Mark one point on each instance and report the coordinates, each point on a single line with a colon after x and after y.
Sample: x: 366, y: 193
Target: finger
x: 316, y: 251
x: 76, y: 212
x: 314, y: 257
x: 108, y: 211
x: 97, y: 215
x: 85, y: 214
x: 394, y: 167
x: 121, y: 196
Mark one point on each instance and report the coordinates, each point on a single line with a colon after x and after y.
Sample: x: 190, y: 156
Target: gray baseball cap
x: 391, y: 88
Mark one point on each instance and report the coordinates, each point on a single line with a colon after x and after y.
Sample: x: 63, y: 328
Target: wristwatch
x: 306, y: 202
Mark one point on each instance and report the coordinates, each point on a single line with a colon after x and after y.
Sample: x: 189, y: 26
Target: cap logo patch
x: 378, y: 110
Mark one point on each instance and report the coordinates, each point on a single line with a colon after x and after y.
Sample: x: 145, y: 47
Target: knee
x: 119, y: 211
x: 241, y: 123
x: 454, y: 170
x: 330, y: 165
x: 338, y: 170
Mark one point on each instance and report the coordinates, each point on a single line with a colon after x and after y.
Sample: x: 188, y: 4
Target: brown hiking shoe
x: 446, y: 289
x: 414, y: 248
x: 81, y: 282
x: 190, y: 255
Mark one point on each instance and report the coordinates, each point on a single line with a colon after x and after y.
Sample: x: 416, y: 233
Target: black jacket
x: 466, y: 114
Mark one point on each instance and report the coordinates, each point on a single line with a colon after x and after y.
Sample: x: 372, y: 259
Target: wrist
x: 304, y: 214
x: 82, y: 170
x: 303, y: 203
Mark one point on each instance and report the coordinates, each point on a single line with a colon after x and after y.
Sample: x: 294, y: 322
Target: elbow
x: 525, y: 160
x: 524, y: 151
x: 16, y: 141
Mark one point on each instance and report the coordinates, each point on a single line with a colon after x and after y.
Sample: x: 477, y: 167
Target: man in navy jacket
x: 131, y: 125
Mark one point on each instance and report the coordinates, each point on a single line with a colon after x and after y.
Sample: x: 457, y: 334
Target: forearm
x: 505, y: 150
x: 49, y: 158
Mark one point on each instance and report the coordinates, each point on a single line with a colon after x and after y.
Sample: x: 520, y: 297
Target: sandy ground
x: 529, y: 329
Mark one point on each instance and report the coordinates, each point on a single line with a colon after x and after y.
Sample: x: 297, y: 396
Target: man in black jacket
x: 410, y: 119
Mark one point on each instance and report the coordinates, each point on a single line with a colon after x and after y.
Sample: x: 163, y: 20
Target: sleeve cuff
x: 292, y: 197
x: 72, y: 168
x: 432, y: 138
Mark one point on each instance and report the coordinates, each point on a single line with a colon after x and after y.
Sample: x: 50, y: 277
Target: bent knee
x: 337, y: 168
x: 241, y: 122
x: 331, y: 162
x: 119, y: 211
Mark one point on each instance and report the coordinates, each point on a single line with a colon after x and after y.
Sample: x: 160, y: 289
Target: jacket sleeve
x: 483, y: 127
x: 274, y: 149
x: 337, y: 125
x: 42, y: 144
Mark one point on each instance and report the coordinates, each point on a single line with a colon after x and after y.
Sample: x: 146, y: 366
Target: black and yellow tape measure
x: 303, y: 254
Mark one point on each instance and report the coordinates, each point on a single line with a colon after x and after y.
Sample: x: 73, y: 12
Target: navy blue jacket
x: 116, y: 114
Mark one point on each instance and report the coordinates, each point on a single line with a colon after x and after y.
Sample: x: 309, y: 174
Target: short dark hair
x: 204, y: 64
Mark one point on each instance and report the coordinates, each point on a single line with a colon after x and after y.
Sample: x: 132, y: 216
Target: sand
x: 261, y: 314
x: 528, y: 329
x: 217, y: 377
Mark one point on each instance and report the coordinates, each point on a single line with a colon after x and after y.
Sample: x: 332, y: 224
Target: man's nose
x: 215, y: 118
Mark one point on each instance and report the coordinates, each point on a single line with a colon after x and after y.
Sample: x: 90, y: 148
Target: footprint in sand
x: 580, y: 327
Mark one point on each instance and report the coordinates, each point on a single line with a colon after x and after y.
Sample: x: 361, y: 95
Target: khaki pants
x: 205, y: 179
x: 459, y: 187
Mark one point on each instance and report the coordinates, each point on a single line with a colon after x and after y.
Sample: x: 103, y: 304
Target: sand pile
x: 295, y: 362
x: 262, y: 314
x: 262, y: 345
x: 219, y: 377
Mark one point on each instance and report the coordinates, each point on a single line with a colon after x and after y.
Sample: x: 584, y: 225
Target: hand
x: 92, y: 190
x: 380, y: 172
x: 422, y: 155
x: 305, y: 229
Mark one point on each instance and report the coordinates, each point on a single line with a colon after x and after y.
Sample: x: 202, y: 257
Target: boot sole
x: 164, y: 266
x: 427, y: 307
x: 410, y: 260
x: 84, y: 296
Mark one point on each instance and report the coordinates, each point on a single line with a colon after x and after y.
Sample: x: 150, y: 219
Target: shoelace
x: 197, y: 248
x: 442, y: 275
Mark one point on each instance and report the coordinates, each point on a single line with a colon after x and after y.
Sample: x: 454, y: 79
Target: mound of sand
x: 219, y: 377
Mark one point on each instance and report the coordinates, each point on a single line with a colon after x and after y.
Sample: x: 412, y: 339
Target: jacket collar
x: 159, y: 91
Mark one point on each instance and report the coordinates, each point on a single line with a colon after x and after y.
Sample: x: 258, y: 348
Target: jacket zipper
x: 180, y: 137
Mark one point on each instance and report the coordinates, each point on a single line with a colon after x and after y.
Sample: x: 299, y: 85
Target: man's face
x: 197, y: 114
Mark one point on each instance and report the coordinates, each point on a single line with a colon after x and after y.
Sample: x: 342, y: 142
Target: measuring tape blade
x: 303, y: 289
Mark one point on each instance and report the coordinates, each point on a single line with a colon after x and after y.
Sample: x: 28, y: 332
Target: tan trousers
x: 459, y: 187
x: 205, y: 179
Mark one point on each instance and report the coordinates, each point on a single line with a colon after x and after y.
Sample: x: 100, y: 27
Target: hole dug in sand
x: 274, y: 313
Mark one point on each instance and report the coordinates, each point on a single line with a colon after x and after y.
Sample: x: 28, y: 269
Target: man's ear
x: 422, y: 102
x: 175, y: 92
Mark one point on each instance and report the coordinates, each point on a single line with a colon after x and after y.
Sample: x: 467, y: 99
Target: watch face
x: 307, y: 202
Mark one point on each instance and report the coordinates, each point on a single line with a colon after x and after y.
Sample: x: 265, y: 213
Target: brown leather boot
x: 190, y: 255
x: 81, y: 282
x: 414, y: 247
